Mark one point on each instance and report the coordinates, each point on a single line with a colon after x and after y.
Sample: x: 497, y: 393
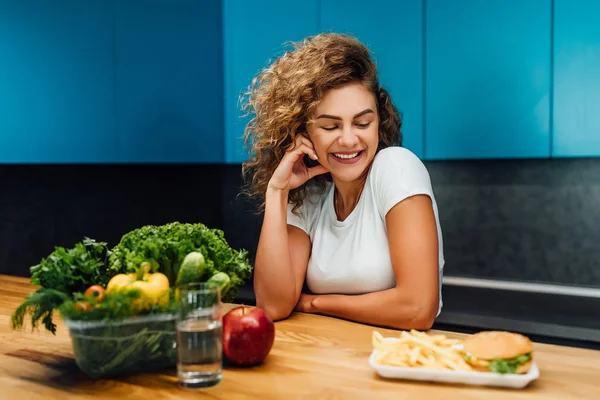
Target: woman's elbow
x: 274, y: 311
x: 277, y: 314
x: 420, y: 317
x: 423, y: 321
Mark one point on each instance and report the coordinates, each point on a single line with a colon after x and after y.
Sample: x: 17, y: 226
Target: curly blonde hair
x: 283, y: 96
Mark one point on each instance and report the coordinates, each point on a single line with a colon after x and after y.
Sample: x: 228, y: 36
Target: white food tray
x: 514, y: 381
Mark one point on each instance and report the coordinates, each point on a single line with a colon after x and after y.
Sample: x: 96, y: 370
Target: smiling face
x: 345, y: 132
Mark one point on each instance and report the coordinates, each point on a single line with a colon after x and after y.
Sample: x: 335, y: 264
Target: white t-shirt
x: 352, y: 256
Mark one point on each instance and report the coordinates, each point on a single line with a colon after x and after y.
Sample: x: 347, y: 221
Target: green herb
x: 508, y: 366
x: 40, y: 306
x: 60, y: 275
x: 73, y: 270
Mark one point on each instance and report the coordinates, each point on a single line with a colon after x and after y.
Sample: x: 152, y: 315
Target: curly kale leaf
x: 166, y: 246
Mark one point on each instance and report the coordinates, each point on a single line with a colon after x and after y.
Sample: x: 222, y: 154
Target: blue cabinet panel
x: 56, y: 81
x: 254, y: 33
x: 168, y: 81
x: 487, y: 79
x: 576, y: 78
x: 396, y: 39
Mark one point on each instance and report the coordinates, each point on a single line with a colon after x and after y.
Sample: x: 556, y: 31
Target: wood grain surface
x: 314, y: 357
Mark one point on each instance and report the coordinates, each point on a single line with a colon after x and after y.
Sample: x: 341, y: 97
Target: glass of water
x: 199, y: 335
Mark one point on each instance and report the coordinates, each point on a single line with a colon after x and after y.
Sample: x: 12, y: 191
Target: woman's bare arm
x: 413, y: 303
x: 281, y: 259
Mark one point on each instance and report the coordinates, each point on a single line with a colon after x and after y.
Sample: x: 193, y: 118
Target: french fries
x: 419, y: 350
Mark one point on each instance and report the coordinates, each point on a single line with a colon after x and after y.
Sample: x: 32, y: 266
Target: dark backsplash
x: 47, y: 205
x: 528, y: 220
x: 533, y: 220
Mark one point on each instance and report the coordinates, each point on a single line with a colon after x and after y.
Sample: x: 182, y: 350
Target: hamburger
x: 499, y: 351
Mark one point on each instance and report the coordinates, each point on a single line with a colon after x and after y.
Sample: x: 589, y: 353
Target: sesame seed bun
x: 491, y: 345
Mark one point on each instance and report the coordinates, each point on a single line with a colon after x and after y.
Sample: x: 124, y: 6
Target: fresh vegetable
x: 192, y: 269
x: 40, y: 306
x: 166, y: 246
x: 83, y: 306
x: 503, y: 366
x: 116, y: 306
x: 222, y: 280
x: 59, y: 276
x: 150, y: 261
x: 96, y: 291
x: 153, y: 288
x: 110, y: 340
x: 113, y: 349
x: 73, y: 270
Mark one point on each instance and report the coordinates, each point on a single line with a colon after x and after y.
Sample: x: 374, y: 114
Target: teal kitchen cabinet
x: 576, y: 79
x: 168, y: 81
x: 487, y: 79
x: 56, y: 80
x: 254, y: 33
x: 394, y: 35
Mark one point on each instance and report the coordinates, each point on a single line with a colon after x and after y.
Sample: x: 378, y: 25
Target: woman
x: 359, y: 224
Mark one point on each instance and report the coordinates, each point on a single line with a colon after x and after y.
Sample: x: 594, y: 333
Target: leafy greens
x: 66, y: 273
x: 60, y: 275
x: 508, y: 366
x: 166, y: 246
x: 73, y: 270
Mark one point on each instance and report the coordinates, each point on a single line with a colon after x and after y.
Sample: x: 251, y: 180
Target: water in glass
x: 199, y: 343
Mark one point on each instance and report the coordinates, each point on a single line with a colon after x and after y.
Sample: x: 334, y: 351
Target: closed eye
x: 331, y: 128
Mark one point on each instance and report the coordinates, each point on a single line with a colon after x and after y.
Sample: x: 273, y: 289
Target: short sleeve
x: 298, y: 221
x: 397, y: 174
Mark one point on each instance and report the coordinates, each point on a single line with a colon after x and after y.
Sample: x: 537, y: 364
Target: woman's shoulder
x: 395, y: 158
x: 399, y: 170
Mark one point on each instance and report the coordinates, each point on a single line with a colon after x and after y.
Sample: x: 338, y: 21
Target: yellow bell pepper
x: 153, y: 287
x: 119, y: 282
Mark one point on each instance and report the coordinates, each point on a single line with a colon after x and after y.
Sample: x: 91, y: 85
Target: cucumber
x: 221, y: 279
x: 192, y: 269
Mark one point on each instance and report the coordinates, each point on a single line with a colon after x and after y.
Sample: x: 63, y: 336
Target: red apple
x: 248, y: 335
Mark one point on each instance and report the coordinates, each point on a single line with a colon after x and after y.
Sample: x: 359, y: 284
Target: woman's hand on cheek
x: 305, y: 303
x: 292, y: 172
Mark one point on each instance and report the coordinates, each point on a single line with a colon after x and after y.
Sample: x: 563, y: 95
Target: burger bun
x: 491, y: 345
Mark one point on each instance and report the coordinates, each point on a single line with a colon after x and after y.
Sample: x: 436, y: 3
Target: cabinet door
x: 254, y: 33
x: 394, y: 35
x: 576, y: 78
x: 487, y: 79
x: 168, y: 84
x: 56, y: 82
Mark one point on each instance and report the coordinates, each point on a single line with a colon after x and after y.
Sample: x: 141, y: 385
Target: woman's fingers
x: 303, y: 141
x: 300, y: 150
x: 317, y: 170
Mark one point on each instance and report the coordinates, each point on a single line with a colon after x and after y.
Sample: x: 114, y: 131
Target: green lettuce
x: 508, y: 366
x: 165, y: 247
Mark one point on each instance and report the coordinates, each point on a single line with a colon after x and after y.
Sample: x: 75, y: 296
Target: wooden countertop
x: 314, y: 357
